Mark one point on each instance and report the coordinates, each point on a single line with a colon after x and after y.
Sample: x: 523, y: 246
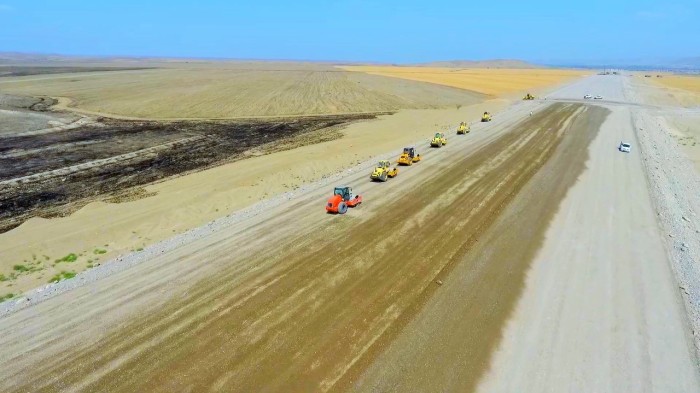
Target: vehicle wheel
x: 342, y: 208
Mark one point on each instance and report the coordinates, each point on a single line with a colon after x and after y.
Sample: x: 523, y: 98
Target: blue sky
x: 356, y: 30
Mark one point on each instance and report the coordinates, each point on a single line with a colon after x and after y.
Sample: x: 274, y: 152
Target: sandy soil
x: 494, y: 82
x: 601, y: 310
x: 225, y: 90
x: 183, y: 203
x: 231, y: 310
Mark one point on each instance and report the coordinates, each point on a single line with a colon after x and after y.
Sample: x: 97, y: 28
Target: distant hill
x: 687, y: 63
x: 496, y: 63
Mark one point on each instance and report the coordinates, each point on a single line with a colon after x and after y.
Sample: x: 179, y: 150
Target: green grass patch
x: 99, y: 251
x: 20, y: 268
x: 68, y: 258
x: 6, y: 297
x: 139, y: 249
x: 62, y: 276
x: 4, y: 278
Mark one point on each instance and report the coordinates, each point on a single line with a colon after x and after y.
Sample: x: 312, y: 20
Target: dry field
x: 494, y: 82
x: 236, y: 90
x: 683, y: 89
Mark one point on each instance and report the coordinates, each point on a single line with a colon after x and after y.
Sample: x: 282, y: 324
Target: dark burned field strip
x: 54, y: 174
x: 12, y: 70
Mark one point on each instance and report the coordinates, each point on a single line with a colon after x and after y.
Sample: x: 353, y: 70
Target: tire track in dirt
x: 448, y: 346
x: 331, y: 302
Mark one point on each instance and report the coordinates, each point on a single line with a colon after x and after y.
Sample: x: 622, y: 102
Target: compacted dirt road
x: 295, y: 299
x: 408, y: 292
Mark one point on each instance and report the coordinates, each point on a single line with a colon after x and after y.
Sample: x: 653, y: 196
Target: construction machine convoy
x: 438, y: 140
x: 528, y: 97
x: 383, y: 171
x: 341, y: 200
x: 463, y: 128
x: 409, y: 156
x: 485, y: 117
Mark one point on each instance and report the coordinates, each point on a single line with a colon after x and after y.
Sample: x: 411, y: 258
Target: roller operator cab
x: 486, y: 117
x: 341, y: 200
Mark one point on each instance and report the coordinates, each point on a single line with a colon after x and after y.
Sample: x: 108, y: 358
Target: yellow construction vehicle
x: 463, y: 128
x: 438, y: 140
x: 409, y: 156
x: 529, y: 97
x: 486, y: 117
x: 383, y: 171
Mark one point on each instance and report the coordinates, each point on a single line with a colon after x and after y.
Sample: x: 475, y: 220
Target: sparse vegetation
x: 20, y: 268
x: 3, y: 278
x: 64, y: 275
x: 68, y: 258
x: 99, y: 251
x: 6, y: 297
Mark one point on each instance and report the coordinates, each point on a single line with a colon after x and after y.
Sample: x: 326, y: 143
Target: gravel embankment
x: 675, y: 189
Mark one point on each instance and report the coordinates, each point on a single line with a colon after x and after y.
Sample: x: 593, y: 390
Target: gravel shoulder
x: 675, y: 187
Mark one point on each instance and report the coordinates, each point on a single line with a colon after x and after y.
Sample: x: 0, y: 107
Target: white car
x: 598, y: 97
x: 624, y: 147
x: 587, y: 97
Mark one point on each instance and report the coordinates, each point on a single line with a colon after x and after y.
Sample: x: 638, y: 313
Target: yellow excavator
x: 438, y: 140
x: 528, y: 97
x: 486, y: 117
x: 383, y: 171
x: 409, y: 156
x: 463, y: 128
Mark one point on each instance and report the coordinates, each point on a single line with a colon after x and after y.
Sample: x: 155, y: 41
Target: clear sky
x: 356, y: 30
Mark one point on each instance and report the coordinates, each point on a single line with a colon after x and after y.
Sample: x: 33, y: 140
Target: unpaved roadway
x: 408, y: 292
x: 602, y: 310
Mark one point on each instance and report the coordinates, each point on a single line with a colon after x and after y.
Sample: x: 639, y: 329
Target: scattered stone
x: 438, y: 282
